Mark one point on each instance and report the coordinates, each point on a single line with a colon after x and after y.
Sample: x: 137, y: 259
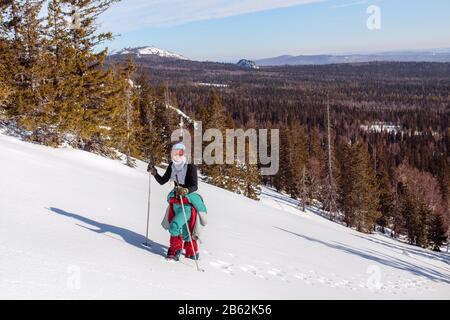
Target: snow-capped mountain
x: 247, y: 64
x: 73, y: 224
x: 151, y: 50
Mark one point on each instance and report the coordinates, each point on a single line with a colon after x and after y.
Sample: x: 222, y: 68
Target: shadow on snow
x: 135, y: 239
x: 384, y: 259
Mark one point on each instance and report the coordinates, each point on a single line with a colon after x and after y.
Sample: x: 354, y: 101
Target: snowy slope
x: 151, y: 50
x: 72, y: 224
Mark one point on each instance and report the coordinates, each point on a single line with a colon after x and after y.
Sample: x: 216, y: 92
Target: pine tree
x: 5, y: 92
x: 125, y: 116
x: 345, y: 185
x: 243, y: 178
x: 298, y: 154
x: 364, y: 189
x: 315, y: 167
x: 282, y: 178
x: 170, y: 119
x: 88, y: 78
x: 24, y: 28
x: 409, y: 213
x: 233, y: 173
x: 5, y: 57
x: 303, y: 189
x: 214, y: 118
x: 438, y: 231
x: 386, y: 199
x: 5, y: 87
x: 252, y: 181
x: 144, y: 134
x: 293, y: 158
x: 154, y: 122
x: 397, y: 219
x: 357, y: 192
x: 329, y: 179
x: 58, y: 57
x: 160, y: 128
x: 250, y: 173
x: 8, y: 60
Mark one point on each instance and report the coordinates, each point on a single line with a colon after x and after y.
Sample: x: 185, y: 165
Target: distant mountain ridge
x: 152, y: 53
x: 439, y: 55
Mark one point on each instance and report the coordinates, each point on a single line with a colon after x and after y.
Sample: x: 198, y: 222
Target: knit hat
x: 179, y: 146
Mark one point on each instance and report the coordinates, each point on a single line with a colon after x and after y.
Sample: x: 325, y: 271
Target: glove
x: 152, y: 169
x: 182, y: 191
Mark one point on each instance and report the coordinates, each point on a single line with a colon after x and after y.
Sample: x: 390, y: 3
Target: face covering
x: 179, y: 169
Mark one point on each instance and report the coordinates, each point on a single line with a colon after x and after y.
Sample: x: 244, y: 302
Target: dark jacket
x: 190, y: 182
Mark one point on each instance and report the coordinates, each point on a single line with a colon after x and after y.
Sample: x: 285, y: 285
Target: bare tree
x: 303, y: 189
x: 331, y: 182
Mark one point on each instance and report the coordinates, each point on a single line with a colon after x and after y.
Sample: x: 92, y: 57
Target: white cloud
x: 130, y: 15
x: 351, y: 4
x: 356, y: 3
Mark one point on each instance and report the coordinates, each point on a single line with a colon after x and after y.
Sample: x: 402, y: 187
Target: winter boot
x: 176, y: 246
x: 194, y: 255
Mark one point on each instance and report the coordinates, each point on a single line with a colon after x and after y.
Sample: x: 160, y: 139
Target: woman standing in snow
x: 186, y: 184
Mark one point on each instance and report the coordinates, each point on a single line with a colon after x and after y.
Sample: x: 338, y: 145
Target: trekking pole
x: 146, y: 244
x: 189, y: 231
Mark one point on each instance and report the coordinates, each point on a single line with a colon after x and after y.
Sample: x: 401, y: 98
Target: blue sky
x: 227, y: 30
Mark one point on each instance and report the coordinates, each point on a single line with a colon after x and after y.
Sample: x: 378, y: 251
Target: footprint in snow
x: 253, y: 270
x: 301, y: 276
x: 168, y: 260
x: 342, y: 283
x: 278, y: 273
x: 222, y: 266
x: 326, y: 281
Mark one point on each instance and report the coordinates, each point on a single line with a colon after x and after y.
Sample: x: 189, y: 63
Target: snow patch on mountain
x: 151, y: 50
x: 247, y: 64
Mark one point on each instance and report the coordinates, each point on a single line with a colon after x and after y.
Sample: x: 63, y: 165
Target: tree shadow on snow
x: 388, y: 260
x: 410, y: 249
x: 135, y: 239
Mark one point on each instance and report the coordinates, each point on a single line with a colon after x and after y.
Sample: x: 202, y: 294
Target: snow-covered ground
x: 72, y: 224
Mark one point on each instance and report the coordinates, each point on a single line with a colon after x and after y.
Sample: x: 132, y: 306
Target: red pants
x: 176, y: 244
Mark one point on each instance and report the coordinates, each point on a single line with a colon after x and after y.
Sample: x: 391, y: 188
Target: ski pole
x: 189, y: 231
x: 146, y: 244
